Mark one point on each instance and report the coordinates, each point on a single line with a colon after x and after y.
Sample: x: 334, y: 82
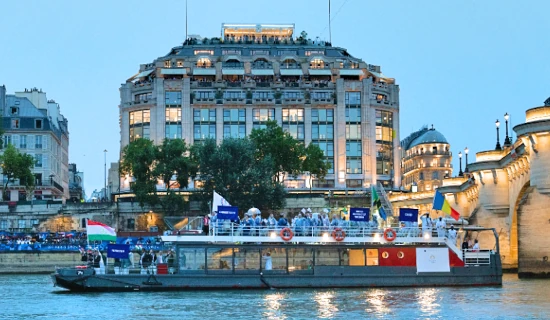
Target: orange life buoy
x: 387, y: 235
x: 338, y: 234
x: 286, y: 234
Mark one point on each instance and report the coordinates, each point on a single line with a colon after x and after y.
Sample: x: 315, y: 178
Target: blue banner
x: 227, y: 212
x: 118, y: 251
x: 408, y: 214
x: 359, y: 214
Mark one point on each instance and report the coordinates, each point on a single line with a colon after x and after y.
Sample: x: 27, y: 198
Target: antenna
x: 185, y: 20
x: 329, y: 28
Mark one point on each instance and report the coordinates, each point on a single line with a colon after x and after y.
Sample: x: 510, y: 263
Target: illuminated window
x: 209, y: 52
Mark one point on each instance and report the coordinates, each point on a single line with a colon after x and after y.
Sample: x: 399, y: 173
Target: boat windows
x: 191, y: 259
x: 353, y: 257
x: 327, y: 257
x: 278, y: 260
x: 247, y: 259
x: 300, y: 259
x: 372, y: 257
x: 219, y: 258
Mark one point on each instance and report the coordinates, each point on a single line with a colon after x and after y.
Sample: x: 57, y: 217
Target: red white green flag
x: 98, y: 231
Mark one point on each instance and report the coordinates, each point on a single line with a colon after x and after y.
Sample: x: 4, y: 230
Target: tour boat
x: 347, y: 257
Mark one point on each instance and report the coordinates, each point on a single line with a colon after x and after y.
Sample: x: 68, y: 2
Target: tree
x: 233, y: 170
x: 137, y: 161
x: 16, y: 165
x: 284, y: 150
x: 172, y: 164
x: 315, y: 163
x: 148, y: 163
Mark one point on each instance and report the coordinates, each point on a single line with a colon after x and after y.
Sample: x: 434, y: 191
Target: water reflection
x: 427, y: 300
x: 376, y: 302
x: 325, y: 307
x: 272, y: 303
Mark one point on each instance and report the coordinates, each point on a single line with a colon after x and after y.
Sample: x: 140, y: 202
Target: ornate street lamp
x: 498, y: 147
x: 507, y: 140
x: 460, y: 173
x: 466, y: 153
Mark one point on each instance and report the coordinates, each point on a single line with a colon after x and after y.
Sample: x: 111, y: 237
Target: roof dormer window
x: 14, y: 111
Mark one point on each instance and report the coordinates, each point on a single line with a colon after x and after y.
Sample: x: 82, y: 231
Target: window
x: 353, y: 114
x: 353, y: 98
x: 314, y: 52
x: 204, y: 95
x: 131, y: 224
x: 140, y: 124
x: 372, y: 257
x: 15, y: 123
x: 219, y: 258
x: 353, y: 149
x: 354, y: 183
x: 4, y: 225
x: 7, y: 140
x: 263, y: 115
x: 210, y: 52
x: 204, y: 131
x: 191, y: 259
x: 38, y: 160
x: 327, y: 257
x: 259, y: 52
x: 353, y: 165
x: 167, y: 64
x: 435, y: 175
x: 322, y: 131
x: 353, y: 131
x: 23, y: 141
x: 384, y: 118
x: 300, y: 259
x: 234, y: 130
x: 233, y: 95
x: 22, y: 224
x: 173, y: 131
x: 14, y: 111
x: 231, y: 51
x: 295, y: 130
x: 322, y: 115
x: 321, y: 95
x: 172, y: 97
x: 293, y: 95
x: 278, y: 258
x: 204, y: 115
x: 234, y: 115
x: 293, y: 115
x: 38, y: 123
x: 143, y: 97
x: 204, y: 63
x: 179, y: 63
x: 38, y: 142
x: 317, y: 64
x: 286, y: 52
x: 262, y: 95
x: 247, y: 259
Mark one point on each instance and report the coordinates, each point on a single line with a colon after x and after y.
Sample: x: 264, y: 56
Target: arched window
x: 204, y: 63
x: 317, y: 64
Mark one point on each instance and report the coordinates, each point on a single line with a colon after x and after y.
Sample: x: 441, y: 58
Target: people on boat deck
x: 283, y: 222
x: 271, y: 221
x: 475, y: 248
x: 426, y: 225
x: 440, y: 226
x: 146, y: 261
x: 452, y: 235
x: 206, y: 224
x: 268, y: 261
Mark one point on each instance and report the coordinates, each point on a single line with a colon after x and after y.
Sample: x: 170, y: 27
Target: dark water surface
x: 34, y: 297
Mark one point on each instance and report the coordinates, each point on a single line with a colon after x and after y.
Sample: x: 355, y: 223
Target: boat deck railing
x: 344, y: 234
x: 477, y: 257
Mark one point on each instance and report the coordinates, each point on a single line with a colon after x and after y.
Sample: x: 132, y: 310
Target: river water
x: 34, y: 297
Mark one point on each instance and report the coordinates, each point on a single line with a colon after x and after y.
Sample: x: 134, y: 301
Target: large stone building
x: 426, y: 160
x: 225, y: 87
x: 34, y: 125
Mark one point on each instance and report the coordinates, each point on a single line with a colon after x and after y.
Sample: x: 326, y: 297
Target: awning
x: 291, y: 72
x: 262, y: 72
x: 320, y: 72
x: 232, y: 57
x: 204, y: 71
x: 351, y: 72
x: 233, y: 72
x: 379, y: 75
x: 288, y: 58
x: 144, y: 73
x: 180, y: 71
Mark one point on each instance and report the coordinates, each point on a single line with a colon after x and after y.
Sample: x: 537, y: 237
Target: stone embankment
x: 36, y: 262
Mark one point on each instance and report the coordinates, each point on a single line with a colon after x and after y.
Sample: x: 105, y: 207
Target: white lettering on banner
x: 116, y: 250
x: 432, y: 260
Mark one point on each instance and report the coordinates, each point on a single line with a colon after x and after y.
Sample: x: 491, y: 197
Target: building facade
x: 426, y: 160
x: 34, y: 125
x: 76, y: 184
x: 225, y: 87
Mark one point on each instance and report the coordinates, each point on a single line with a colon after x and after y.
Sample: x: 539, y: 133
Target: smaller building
x: 76, y: 184
x: 34, y: 125
x: 426, y: 160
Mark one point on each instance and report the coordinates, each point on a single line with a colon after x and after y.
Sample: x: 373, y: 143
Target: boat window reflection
x: 300, y: 259
x: 191, y: 259
x: 327, y: 257
x: 247, y: 260
x: 219, y: 258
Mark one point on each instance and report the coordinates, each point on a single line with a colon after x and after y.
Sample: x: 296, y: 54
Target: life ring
x: 286, y: 234
x: 387, y: 235
x: 338, y: 234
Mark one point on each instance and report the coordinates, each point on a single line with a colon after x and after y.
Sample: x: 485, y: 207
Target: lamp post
x: 460, y: 173
x: 466, y: 153
x: 507, y: 140
x: 498, y: 147
x: 105, y: 173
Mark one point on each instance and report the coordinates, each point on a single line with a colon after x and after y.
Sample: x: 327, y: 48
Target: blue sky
x: 460, y: 64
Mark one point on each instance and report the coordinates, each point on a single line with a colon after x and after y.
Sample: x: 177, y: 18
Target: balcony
x: 142, y: 102
x: 143, y: 85
x: 425, y: 154
x: 202, y: 84
x: 234, y: 84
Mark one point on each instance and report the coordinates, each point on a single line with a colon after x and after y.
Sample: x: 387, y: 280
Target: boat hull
x: 320, y: 277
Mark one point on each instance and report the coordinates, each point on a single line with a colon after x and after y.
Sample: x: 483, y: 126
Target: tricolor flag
x: 377, y: 204
x: 218, y: 201
x: 440, y: 203
x: 99, y: 231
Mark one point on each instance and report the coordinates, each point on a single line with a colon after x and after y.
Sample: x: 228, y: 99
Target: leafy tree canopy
x: 17, y: 165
